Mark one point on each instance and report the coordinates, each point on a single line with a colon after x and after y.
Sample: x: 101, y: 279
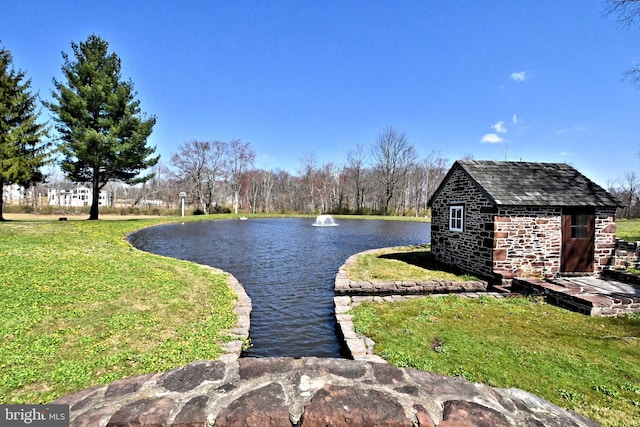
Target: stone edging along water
x: 349, y: 293
x: 240, y: 333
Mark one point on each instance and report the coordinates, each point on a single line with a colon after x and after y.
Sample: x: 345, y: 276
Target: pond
x: 286, y: 266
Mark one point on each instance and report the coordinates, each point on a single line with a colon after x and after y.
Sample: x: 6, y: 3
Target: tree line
x: 628, y: 191
x: 387, y: 177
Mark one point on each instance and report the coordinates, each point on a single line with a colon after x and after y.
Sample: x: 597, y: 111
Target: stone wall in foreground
x: 308, y: 392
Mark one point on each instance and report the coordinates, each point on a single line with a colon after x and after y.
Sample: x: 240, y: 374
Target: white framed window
x: 456, y: 218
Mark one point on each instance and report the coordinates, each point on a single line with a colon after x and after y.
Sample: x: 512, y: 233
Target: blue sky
x: 523, y: 80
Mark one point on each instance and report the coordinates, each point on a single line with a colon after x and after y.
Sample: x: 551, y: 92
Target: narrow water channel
x: 287, y: 268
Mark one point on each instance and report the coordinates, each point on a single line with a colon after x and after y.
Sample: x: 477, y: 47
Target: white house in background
x: 151, y: 203
x: 74, y: 197
x: 14, y: 194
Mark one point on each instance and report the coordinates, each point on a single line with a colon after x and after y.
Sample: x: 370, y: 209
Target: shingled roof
x: 532, y: 184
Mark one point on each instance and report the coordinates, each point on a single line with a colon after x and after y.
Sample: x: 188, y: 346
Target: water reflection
x: 286, y: 266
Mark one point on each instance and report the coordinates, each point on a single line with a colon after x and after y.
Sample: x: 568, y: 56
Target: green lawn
x: 402, y: 263
x: 79, y: 306
x: 588, y: 364
x: 628, y: 229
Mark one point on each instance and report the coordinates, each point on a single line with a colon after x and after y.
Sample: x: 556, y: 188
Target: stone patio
x: 593, y: 296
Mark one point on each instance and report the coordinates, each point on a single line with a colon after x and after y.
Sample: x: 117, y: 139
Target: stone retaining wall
x: 578, y: 298
x: 622, y: 276
x: 408, y: 287
x: 627, y: 254
x: 344, y: 286
x: 239, y: 334
x: 349, y: 293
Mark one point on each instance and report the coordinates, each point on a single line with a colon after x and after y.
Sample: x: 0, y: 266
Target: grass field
x: 79, y: 306
x: 402, y: 263
x: 586, y: 364
x: 628, y: 229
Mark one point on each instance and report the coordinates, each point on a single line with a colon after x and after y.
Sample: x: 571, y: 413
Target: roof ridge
x: 520, y: 183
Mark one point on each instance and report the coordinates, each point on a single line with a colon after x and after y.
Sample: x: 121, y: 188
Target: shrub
x: 221, y: 210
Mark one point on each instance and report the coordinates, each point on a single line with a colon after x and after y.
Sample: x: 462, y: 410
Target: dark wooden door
x: 578, y: 237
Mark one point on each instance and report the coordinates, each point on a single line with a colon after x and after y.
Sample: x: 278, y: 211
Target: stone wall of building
x: 470, y: 249
x: 527, y: 241
x: 605, y: 239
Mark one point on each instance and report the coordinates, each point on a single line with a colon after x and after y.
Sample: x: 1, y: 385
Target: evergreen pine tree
x: 103, y: 134
x: 22, y: 152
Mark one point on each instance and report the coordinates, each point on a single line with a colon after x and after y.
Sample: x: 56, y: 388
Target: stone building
x: 500, y: 220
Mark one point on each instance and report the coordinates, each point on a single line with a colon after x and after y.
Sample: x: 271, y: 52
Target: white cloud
x: 571, y: 129
x: 492, y: 138
x: 514, y: 119
x: 499, y: 127
x: 520, y: 76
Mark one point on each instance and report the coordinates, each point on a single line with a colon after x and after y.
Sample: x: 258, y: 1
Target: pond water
x: 287, y: 267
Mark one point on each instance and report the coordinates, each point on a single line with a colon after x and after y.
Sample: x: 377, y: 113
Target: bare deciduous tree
x: 262, y: 184
x: 626, y: 12
x: 355, y: 174
x: 393, y: 155
x: 241, y: 157
x: 308, y: 174
x: 436, y: 167
x: 198, y: 165
x: 396, y: 183
x: 630, y: 194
